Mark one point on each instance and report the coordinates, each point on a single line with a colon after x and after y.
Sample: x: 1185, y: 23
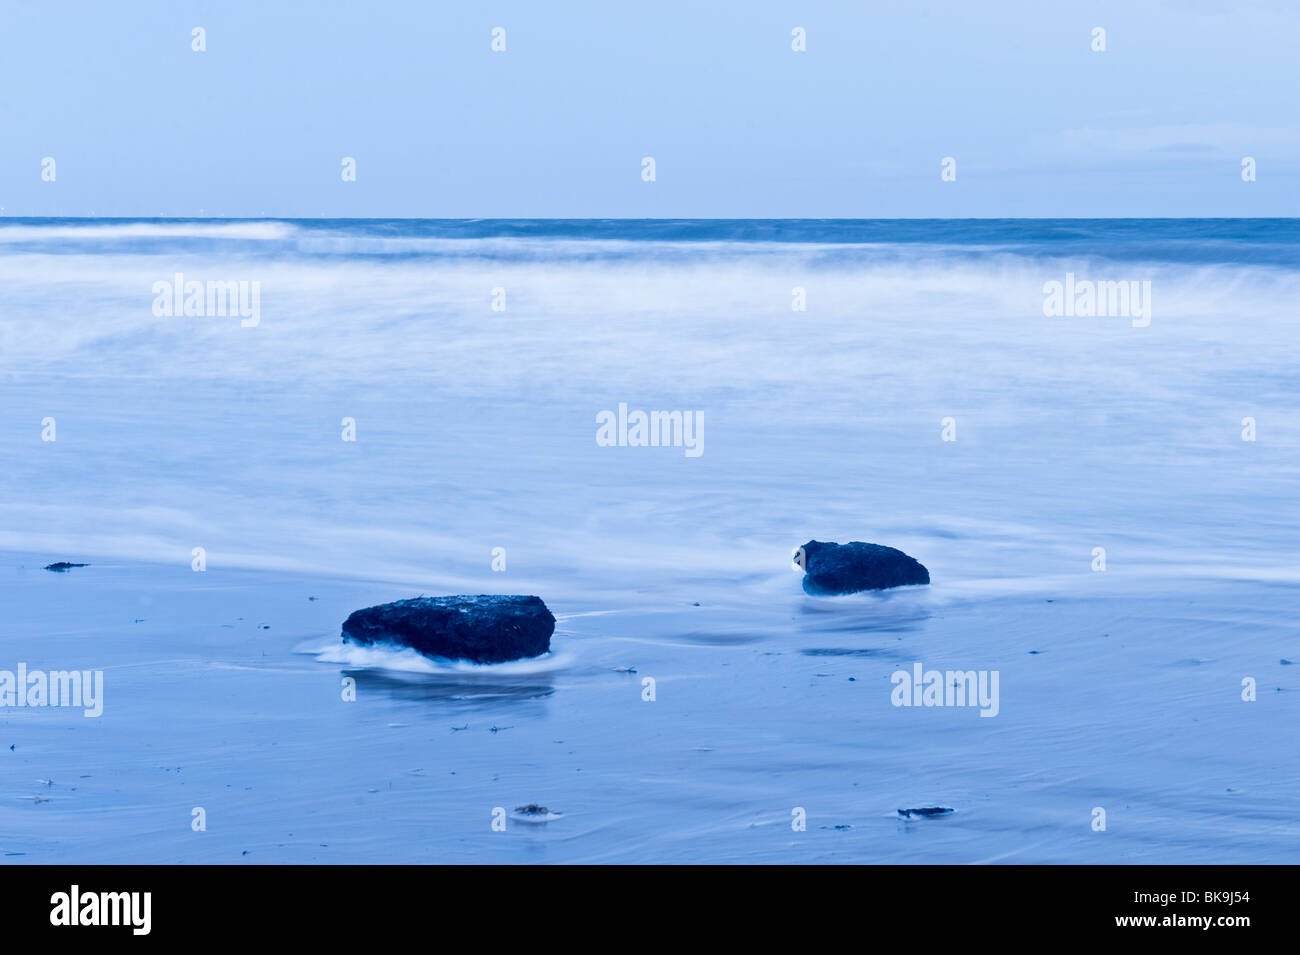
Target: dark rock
x: 484, y: 629
x: 925, y: 811
x: 62, y: 567
x: 831, y: 568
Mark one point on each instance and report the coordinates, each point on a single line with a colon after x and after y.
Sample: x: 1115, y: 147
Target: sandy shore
x: 212, y: 701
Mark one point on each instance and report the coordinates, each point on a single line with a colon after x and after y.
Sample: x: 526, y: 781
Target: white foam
x: 405, y: 660
x: 261, y: 229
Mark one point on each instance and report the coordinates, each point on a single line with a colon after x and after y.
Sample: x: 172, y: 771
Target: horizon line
x: 290, y: 218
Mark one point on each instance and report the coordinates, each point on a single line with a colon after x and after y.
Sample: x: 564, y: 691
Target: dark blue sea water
x: 1192, y: 241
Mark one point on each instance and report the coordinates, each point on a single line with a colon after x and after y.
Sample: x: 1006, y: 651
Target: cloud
x: 1232, y: 139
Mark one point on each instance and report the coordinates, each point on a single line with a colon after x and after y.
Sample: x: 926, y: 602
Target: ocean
x: 1087, y: 430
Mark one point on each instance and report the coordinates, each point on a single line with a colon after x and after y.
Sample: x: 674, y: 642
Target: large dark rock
x: 831, y: 568
x: 485, y: 629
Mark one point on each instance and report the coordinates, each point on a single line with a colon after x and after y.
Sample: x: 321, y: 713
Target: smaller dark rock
x: 925, y: 811
x: 63, y: 566
x: 831, y: 568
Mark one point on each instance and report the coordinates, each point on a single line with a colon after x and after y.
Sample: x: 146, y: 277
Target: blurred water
x: 476, y: 430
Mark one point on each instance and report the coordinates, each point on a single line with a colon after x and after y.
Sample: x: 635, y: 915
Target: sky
x: 738, y: 123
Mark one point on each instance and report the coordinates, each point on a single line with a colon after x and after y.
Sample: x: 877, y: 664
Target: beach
x: 922, y: 399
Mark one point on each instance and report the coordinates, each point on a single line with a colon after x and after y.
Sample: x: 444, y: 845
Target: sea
x: 1087, y: 430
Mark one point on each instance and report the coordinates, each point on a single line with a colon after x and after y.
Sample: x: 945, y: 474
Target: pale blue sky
x: 738, y: 123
